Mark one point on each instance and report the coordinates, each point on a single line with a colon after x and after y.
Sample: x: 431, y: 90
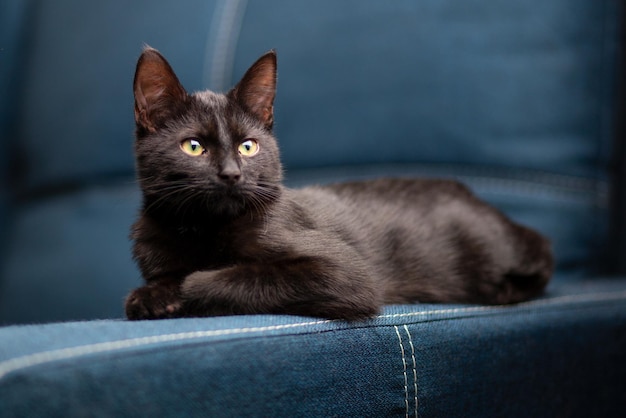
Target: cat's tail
x: 532, y: 269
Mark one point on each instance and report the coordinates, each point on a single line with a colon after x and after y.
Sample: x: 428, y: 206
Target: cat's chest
x: 162, y: 248
x: 209, y: 248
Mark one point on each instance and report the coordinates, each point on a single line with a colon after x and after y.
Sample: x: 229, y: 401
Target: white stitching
x: 29, y: 360
x: 22, y: 362
x: 406, y: 328
x: 596, y: 297
x: 406, y: 379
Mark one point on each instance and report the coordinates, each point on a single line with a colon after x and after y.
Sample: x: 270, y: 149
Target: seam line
x: 406, y: 379
x: 66, y: 353
x: 596, y: 297
x: 406, y: 328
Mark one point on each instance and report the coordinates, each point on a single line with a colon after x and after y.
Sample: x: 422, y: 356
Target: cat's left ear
x: 257, y: 89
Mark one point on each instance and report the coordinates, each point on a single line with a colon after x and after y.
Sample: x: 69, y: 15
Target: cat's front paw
x: 154, y: 302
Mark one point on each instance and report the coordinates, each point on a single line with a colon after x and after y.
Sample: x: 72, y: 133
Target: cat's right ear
x: 157, y: 90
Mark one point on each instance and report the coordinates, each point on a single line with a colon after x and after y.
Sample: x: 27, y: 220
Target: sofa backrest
x: 515, y: 98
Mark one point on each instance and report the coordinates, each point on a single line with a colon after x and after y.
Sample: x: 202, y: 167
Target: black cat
x: 218, y: 234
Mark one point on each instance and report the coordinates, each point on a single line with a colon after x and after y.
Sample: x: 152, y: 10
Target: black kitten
x: 218, y: 234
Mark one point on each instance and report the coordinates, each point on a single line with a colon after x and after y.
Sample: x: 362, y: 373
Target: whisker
x: 179, y: 196
x: 171, y: 191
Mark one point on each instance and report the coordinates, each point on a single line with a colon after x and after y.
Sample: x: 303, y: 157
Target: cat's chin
x: 237, y: 201
x: 231, y: 203
x: 198, y: 209
x: 227, y: 208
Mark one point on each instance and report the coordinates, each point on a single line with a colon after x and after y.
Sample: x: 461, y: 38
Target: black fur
x: 218, y: 234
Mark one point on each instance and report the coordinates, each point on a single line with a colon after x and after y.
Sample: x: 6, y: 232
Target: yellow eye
x: 192, y: 147
x: 249, y: 148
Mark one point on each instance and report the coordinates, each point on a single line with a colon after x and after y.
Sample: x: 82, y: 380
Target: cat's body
x: 219, y: 234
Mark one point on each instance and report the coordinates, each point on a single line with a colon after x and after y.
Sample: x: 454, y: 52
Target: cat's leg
x: 158, y: 299
x: 304, y: 286
x: 533, y: 265
x: 501, y: 262
x: 514, y: 268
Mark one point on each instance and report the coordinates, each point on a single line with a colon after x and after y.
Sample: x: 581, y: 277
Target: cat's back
x: 376, y: 207
x: 424, y: 237
x: 387, y: 196
x: 399, y: 190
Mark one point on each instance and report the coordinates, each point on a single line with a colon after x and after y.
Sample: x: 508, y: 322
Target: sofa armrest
x: 563, y: 355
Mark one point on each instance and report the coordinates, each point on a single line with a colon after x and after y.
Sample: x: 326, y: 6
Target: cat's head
x: 205, y: 153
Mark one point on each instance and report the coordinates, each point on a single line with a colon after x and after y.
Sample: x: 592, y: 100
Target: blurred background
x: 514, y: 98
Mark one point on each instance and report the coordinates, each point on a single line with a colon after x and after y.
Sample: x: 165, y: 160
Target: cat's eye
x: 249, y: 148
x: 192, y: 147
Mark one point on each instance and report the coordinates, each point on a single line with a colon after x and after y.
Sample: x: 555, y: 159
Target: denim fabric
x: 76, y: 98
x: 526, y: 84
x: 563, y: 355
x: 513, y: 98
x: 70, y: 257
x: 12, y: 32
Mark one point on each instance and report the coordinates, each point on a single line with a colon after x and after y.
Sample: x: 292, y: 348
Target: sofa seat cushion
x: 68, y: 256
x: 562, y: 355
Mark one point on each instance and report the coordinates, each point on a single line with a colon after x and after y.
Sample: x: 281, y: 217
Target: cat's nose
x: 230, y: 177
x: 230, y: 173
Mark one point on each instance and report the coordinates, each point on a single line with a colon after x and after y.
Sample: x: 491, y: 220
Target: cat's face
x: 206, y: 153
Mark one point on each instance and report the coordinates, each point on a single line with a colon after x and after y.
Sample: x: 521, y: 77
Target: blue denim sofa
x: 520, y: 100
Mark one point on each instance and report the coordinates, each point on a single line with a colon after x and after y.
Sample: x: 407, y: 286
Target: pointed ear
x: 158, y: 93
x: 257, y: 89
